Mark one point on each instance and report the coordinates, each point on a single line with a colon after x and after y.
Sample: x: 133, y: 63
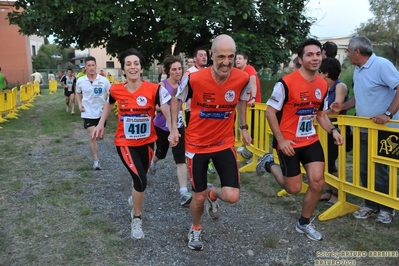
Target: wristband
x: 244, y: 127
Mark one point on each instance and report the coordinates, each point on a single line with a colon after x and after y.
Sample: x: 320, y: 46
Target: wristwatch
x: 244, y: 127
x: 253, y: 98
x: 335, y: 128
x: 388, y: 113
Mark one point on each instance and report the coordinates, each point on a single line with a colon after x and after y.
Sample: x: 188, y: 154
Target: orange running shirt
x: 213, y: 108
x: 136, y: 113
x: 252, y: 72
x: 301, y: 102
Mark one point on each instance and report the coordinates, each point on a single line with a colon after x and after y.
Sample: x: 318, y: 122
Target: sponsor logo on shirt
x: 141, y: 101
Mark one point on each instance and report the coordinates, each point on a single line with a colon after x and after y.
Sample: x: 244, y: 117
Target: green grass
x: 42, y: 205
x: 46, y: 219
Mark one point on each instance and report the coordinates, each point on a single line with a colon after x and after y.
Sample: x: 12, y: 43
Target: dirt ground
x: 258, y: 230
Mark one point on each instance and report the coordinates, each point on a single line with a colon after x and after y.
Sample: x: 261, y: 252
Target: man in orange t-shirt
x: 297, y: 99
x: 215, y: 94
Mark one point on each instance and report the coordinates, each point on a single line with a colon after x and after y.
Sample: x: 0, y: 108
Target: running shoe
x: 211, y: 169
x: 261, y: 166
x: 73, y: 112
x: 212, y: 207
x: 309, y: 230
x: 246, y: 153
x: 67, y: 109
x: 384, y: 217
x: 137, y: 231
x: 185, y: 199
x: 96, y: 165
x: 153, y: 168
x: 194, y: 239
x: 364, y: 213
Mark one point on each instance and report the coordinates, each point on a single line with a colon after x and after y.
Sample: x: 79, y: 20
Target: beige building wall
x: 342, y: 43
x: 105, y: 62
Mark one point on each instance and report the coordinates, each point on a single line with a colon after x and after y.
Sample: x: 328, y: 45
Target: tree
x: 383, y: 29
x: 267, y: 30
x: 51, y: 55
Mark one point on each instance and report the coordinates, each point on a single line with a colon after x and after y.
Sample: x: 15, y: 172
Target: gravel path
x: 250, y: 232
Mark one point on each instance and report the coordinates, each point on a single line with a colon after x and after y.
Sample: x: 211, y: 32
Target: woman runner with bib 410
x: 135, y: 133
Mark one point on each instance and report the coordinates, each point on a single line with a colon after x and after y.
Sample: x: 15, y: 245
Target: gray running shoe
x: 212, y: 207
x: 384, y: 217
x: 364, y: 213
x: 246, y: 154
x: 309, y: 230
x: 261, y: 166
x: 153, y: 168
x: 185, y: 199
x: 137, y: 231
x: 96, y: 165
x: 194, y: 239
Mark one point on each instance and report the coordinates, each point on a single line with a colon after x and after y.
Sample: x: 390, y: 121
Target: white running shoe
x: 137, y: 231
x: 194, y: 239
x: 96, y: 165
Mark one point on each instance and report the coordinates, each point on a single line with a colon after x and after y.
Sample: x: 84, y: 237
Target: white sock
x: 183, y: 190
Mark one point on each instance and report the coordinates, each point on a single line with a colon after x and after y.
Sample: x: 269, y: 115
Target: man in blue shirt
x: 376, y: 81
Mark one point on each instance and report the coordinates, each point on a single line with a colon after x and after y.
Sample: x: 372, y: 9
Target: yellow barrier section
x: 15, y: 99
x: 25, y: 95
x: 383, y: 148
x: 8, y: 103
x: 383, y: 144
x: 36, y: 88
x: 52, y: 86
x: 262, y: 135
x: 3, y: 105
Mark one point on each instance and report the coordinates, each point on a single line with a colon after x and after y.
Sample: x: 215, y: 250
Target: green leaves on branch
x: 267, y: 30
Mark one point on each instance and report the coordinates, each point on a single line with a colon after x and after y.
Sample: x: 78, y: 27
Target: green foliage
x: 45, y: 57
x: 41, y: 60
x: 152, y: 26
x: 382, y: 29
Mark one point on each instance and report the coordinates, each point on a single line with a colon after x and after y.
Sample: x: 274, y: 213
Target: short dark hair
x: 90, y: 58
x: 199, y: 49
x: 332, y: 67
x: 331, y: 49
x: 243, y: 55
x: 130, y: 51
x: 67, y: 70
x: 169, y: 60
x: 305, y: 43
x: 296, y: 62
